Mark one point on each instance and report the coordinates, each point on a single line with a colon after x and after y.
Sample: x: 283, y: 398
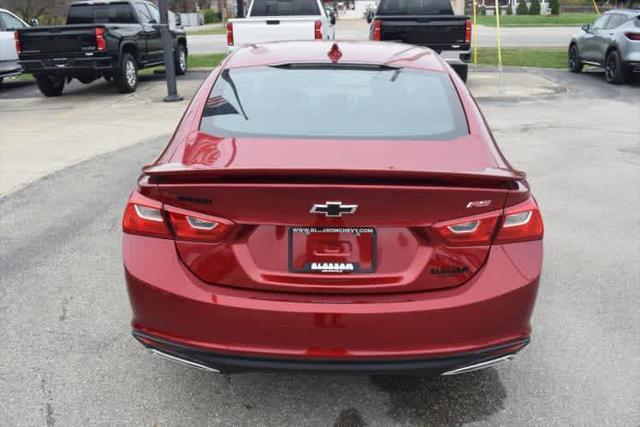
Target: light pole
x: 169, y: 63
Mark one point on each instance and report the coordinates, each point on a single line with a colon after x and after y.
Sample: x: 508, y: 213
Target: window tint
x: 114, y: 13
x: 613, y: 22
x: 321, y: 102
x: 600, y: 22
x: 155, y: 13
x: 11, y: 23
x: 143, y: 13
x: 415, y: 7
x: 284, y: 7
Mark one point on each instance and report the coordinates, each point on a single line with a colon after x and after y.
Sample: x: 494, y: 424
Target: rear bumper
x: 65, y: 65
x: 456, y: 57
x: 172, y: 306
x: 226, y: 363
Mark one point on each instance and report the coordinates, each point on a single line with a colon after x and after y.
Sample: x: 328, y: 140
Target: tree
x: 509, y: 10
x: 35, y: 8
x: 534, y: 8
x: 522, y: 8
x: 555, y: 7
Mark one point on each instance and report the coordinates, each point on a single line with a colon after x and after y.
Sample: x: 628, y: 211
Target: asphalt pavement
x: 68, y: 358
x: 357, y: 29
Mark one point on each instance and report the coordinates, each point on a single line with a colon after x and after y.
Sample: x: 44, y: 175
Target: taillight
x: 633, y: 36
x: 318, y: 30
x: 144, y: 216
x: 229, y: 33
x: 467, y: 31
x: 198, y: 227
x: 148, y: 217
x: 377, y: 30
x: 16, y: 38
x: 518, y: 223
x: 469, y: 231
x: 101, y: 42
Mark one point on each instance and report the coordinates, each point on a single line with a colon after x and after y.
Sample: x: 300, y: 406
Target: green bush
x: 212, y: 17
x: 534, y: 8
x: 483, y: 11
x: 509, y: 10
x: 555, y: 7
x: 522, y: 8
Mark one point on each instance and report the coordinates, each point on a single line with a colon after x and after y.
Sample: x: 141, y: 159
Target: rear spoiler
x: 180, y: 173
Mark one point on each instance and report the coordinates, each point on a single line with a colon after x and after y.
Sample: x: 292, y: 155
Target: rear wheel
x: 613, y: 71
x: 462, y: 71
x: 50, y: 85
x: 181, y: 60
x: 575, y: 66
x: 126, y: 77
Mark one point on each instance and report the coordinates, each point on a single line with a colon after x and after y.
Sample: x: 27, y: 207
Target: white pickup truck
x: 273, y: 20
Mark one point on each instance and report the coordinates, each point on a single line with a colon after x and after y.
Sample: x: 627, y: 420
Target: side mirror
x: 332, y: 18
x: 586, y: 28
x: 35, y: 22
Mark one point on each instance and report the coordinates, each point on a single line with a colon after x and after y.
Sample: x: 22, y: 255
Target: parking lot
x: 68, y: 357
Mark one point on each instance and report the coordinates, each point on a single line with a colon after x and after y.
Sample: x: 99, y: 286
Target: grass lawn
x: 208, y: 31
x: 565, y: 19
x: 550, y: 57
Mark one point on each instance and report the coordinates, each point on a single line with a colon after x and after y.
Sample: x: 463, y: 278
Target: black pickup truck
x: 429, y: 23
x: 110, y: 38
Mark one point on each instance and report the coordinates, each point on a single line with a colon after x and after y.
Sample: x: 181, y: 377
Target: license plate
x: 332, y: 250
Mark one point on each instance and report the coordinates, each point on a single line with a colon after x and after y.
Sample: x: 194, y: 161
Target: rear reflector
x: 230, y: 34
x: 318, y: 30
x: 16, y: 38
x: 101, y: 42
x: 518, y: 223
x: 633, y: 36
x: 377, y: 30
x: 467, y: 31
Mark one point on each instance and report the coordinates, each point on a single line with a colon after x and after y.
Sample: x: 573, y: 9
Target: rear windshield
x: 415, y: 7
x: 284, y: 7
x: 118, y: 13
x: 349, y: 103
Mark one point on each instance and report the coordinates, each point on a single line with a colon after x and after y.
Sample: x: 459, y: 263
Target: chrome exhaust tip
x: 183, y: 362
x: 481, y: 365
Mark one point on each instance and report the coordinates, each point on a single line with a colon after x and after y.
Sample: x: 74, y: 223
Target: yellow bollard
x: 499, y: 41
x: 474, y: 31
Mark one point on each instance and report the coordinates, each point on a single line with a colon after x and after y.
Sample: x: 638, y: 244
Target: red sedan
x: 335, y: 208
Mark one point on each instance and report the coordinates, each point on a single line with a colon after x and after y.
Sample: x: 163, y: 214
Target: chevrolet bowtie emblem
x: 333, y: 209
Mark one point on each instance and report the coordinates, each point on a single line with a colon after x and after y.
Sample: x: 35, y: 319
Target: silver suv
x: 612, y: 42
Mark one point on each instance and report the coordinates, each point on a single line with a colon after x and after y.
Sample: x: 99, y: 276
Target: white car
x: 275, y: 20
x: 9, y: 23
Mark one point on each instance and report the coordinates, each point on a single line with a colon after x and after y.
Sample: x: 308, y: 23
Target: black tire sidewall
x: 179, y: 71
x: 577, y: 66
x: 121, y: 79
x: 618, y: 76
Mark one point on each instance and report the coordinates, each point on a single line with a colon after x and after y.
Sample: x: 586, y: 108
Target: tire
x: 575, y: 66
x: 462, y: 71
x: 613, y: 71
x: 181, y: 60
x: 50, y: 85
x: 126, y: 77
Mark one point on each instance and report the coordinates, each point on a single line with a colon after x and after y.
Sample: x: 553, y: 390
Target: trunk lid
x: 284, y: 240
x: 437, y: 32
x: 60, y: 40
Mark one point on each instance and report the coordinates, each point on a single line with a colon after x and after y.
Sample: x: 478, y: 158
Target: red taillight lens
x: 467, y: 31
x: 633, y: 36
x: 16, y: 38
x: 377, y: 30
x: 229, y: 33
x: 144, y: 216
x: 101, y: 42
x: 469, y: 231
x: 520, y: 223
x: 318, y: 30
x: 198, y: 227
